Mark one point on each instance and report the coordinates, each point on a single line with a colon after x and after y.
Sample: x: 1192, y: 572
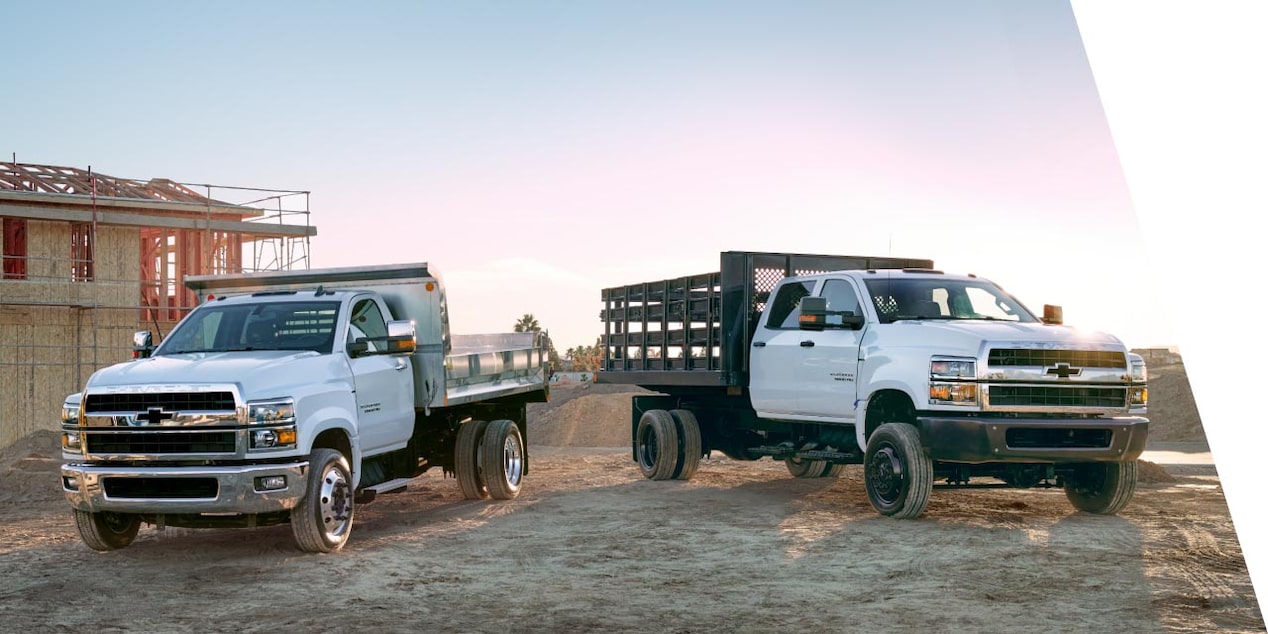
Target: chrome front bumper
x: 235, y: 488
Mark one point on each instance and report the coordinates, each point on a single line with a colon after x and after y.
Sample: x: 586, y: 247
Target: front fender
x: 331, y: 417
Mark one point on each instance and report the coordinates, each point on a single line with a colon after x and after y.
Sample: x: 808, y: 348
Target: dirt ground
x: 592, y: 546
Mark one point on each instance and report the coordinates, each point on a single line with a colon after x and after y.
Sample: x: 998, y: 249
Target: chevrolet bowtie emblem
x: 1064, y: 371
x: 154, y: 416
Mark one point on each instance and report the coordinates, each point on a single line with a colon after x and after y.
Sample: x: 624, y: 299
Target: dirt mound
x: 583, y: 415
x: 1173, y: 414
x: 29, y: 468
x: 1150, y: 473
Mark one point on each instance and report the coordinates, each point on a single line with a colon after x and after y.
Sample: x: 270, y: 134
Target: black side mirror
x: 816, y: 316
x: 814, y: 313
x: 358, y: 348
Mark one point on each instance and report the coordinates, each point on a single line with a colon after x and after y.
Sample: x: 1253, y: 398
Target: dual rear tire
x: 668, y: 445
x: 490, y: 459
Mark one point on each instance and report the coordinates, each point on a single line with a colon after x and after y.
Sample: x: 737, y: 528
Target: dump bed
x: 695, y: 330
x: 448, y: 369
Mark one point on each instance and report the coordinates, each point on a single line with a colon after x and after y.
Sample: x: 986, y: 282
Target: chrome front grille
x: 1040, y: 379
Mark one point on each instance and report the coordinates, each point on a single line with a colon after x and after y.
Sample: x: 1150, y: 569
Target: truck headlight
x: 951, y: 381
x: 70, y: 413
x: 279, y: 438
x: 1139, y: 374
x: 952, y: 368
x: 280, y: 411
x: 71, y: 440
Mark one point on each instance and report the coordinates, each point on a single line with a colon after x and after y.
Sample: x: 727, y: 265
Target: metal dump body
x: 469, y: 367
x: 695, y: 330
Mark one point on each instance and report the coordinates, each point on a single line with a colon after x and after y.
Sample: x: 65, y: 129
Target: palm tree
x: 527, y: 323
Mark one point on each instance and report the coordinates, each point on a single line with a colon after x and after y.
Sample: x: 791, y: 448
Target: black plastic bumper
x: 981, y: 440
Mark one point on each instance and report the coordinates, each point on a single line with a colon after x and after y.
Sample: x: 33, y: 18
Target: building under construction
x: 89, y: 259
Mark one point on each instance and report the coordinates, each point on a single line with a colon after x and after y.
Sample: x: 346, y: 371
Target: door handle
x: 759, y: 344
x: 808, y: 344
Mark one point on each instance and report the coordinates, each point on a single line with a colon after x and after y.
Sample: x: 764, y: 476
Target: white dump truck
x: 291, y: 396
x: 921, y: 376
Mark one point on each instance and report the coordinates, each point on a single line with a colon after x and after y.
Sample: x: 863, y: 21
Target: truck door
x: 826, y: 369
x: 384, y: 383
x: 776, y: 351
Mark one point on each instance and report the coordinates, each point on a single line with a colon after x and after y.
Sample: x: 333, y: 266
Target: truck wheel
x: 656, y: 445
x: 502, y: 459
x: 899, y: 475
x: 467, y: 460
x: 833, y: 470
x: 107, y: 531
x: 322, y: 520
x: 1103, y: 488
x: 805, y: 468
x: 688, y: 442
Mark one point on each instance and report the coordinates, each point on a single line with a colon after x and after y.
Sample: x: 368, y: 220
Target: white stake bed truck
x: 918, y: 375
x: 288, y: 397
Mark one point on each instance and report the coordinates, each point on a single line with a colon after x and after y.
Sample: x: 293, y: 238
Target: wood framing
x: 89, y: 259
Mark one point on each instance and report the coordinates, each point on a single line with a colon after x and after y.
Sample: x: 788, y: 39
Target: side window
x: 367, y: 322
x: 841, y: 296
x: 783, y: 309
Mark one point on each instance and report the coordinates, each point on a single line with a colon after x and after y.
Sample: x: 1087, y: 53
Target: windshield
x: 238, y: 327
x: 898, y: 298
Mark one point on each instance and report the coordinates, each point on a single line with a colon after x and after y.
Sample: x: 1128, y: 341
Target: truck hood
x: 268, y: 373
x: 965, y: 337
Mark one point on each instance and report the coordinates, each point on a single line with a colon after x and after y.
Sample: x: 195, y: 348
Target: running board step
x: 391, y: 486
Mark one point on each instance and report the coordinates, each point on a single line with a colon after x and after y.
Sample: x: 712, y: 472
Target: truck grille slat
x: 1057, y: 396
x: 1045, y: 358
x: 135, y: 442
x: 171, y: 401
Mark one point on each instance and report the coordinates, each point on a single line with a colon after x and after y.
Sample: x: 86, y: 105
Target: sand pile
x: 30, y: 468
x: 1173, y: 414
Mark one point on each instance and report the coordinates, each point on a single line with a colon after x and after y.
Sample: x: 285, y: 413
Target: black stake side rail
x: 695, y: 330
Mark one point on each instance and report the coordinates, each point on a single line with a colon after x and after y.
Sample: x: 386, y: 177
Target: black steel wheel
x: 1103, y: 488
x: 689, y: 450
x: 656, y: 445
x: 898, y: 473
x: 106, y: 530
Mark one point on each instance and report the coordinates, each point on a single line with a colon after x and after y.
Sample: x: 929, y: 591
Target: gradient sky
x: 535, y: 153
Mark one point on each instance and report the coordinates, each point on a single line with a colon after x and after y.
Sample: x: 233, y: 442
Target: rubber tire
x: 326, y: 467
x: 898, y: 474
x: 689, y: 449
x: 656, y: 445
x: 107, y: 531
x: 1103, y: 488
x: 802, y: 468
x: 502, y: 459
x: 833, y: 470
x: 466, y: 460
